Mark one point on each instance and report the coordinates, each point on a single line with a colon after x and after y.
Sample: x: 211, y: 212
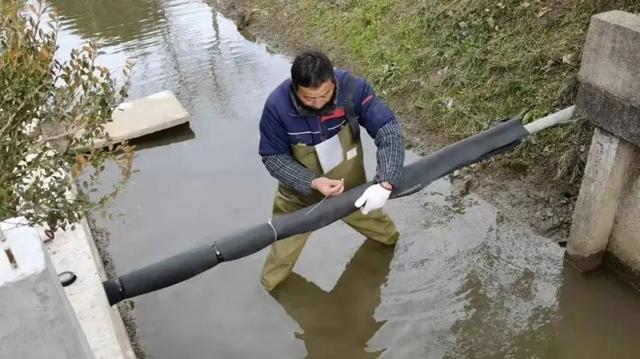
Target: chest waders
x: 376, y: 225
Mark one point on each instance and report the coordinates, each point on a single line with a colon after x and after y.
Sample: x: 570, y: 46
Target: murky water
x: 462, y: 282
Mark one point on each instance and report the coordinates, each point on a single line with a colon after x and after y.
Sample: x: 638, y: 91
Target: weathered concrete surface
x: 74, y: 250
x: 144, y: 116
x: 606, y: 173
x: 36, y: 319
x: 610, y: 72
x: 609, y: 112
x: 609, y: 97
x: 611, y: 53
x: 624, y: 243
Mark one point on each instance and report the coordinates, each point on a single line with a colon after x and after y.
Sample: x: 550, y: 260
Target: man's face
x: 316, y: 98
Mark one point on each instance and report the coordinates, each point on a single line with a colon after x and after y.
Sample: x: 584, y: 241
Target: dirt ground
x: 530, y: 196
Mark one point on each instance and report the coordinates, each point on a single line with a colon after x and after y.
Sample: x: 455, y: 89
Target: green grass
x: 457, y: 67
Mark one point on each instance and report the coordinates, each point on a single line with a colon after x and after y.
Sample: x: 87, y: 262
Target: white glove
x: 373, y: 198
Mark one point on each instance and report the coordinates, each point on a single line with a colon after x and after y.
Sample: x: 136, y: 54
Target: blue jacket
x: 284, y: 123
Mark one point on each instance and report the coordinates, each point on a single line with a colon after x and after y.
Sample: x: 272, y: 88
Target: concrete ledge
x: 608, y: 112
x: 74, y: 250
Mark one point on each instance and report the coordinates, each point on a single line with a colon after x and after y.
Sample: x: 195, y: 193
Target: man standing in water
x: 310, y: 142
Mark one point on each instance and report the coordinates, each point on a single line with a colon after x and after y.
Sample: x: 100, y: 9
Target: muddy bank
x: 529, y: 193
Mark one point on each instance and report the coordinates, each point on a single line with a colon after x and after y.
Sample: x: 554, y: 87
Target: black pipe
x: 415, y: 177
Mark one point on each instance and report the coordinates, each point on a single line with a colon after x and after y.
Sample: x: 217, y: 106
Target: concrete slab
x: 74, y: 250
x: 605, y: 175
x: 144, y: 116
x: 36, y: 318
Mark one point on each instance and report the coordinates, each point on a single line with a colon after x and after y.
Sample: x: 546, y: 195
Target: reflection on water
x: 165, y: 137
x: 463, y: 281
x: 113, y: 21
x: 468, y: 283
x: 339, y: 323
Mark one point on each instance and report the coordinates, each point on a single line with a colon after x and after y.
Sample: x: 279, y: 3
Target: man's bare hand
x: 327, y: 186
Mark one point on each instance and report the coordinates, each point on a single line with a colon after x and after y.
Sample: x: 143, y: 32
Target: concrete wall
x: 41, y: 319
x: 36, y: 318
x: 606, y: 221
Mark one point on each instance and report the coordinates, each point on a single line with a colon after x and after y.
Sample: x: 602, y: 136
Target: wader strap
x: 352, y: 118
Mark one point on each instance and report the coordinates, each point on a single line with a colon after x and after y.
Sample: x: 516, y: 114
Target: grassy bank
x: 455, y: 67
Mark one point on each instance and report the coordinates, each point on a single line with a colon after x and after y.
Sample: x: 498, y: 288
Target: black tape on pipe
x: 415, y: 177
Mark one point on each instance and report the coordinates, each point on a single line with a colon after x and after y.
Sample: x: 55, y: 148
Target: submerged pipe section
x: 415, y: 177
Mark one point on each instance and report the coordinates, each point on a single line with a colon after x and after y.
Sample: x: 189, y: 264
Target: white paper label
x: 352, y: 153
x: 329, y: 153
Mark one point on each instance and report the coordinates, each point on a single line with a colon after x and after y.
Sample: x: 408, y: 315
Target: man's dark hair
x: 311, y: 69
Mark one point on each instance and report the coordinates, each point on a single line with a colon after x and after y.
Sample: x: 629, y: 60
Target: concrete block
x: 144, y: 116
x: 609, y: 74
x: 611, y: 55
x: 606, y: 173
x: 36, y: 319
